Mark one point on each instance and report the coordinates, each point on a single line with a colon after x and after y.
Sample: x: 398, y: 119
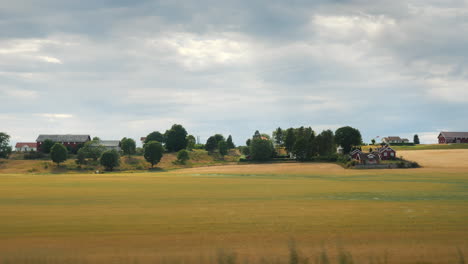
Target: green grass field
x: 187, y: 216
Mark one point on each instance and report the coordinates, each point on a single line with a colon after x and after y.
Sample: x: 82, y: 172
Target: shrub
x: 32, y: 155
x: 58, y: 153
x: 110, y: 159
x: 182, y: 156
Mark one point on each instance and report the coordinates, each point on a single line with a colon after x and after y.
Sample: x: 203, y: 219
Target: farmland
x: 187, y: 215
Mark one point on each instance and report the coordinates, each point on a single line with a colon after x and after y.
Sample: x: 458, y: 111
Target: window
x: 392, y: 154
x: 385, y: 154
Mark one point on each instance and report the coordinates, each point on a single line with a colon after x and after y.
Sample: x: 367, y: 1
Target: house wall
x: 443, y: 140
x: 66, y: 144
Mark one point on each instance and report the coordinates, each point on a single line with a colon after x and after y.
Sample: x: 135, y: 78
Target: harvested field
x: 450, y: 159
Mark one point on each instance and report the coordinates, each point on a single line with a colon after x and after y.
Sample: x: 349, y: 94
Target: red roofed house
x: 26, y: 146
x: 453, y: 137
x: 387, y: 153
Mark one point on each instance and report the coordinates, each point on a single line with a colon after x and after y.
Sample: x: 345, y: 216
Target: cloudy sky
x: 126, y: 68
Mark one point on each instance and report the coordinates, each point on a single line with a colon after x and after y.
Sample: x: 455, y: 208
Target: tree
x: 182, y: 156
x: 128, y: 146
x: 222, y: 147
x: 191, y: 142
x: 347, y: 137
x: 373, y: 141
x: 289, y: 139
x: 278, y: 136
x: 325, y: 143
x: 153, y: 152
x: 257, y: 134
x: 93, y: 149
x: 5, y: 148
x: 81, y: 157
x: 96, y: 139
x: 261, y: 149
x: 247, y: 143
x: 176, y: 138
x: 416, y: 139
x: 58, y: 153
x: 155, y: 136
x: 300, y: 148
x: 110, y: 159
x: 229, y: 142
x: 312, y: 148
x: 211, y: 144
x: 46, y: 146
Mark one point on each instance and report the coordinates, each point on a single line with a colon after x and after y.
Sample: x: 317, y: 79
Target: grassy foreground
x: 191, y: 215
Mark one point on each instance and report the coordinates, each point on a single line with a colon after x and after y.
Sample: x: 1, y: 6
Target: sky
x: 120, y: 68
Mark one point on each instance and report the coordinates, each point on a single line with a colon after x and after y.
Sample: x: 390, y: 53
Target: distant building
x: 355, y: 153
x: 453, y: 137
x: 142, y: 139
x: 386, y: 153
x: 394, y: 140
x: 26, y: 146
x: 71, y: 141
x: 340, y: 150
x: 110, y: 144
x: 368, y: 158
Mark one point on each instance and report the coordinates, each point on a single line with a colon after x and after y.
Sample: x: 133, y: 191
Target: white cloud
x: 49, y: 59
x: 198, y: 52
x: 448, y: 90
x: 20, y: 93
x: 54, y: 116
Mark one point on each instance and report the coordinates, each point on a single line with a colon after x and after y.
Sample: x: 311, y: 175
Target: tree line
x: 301, y: 143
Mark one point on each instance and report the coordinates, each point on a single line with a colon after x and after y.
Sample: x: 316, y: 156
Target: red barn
x: 71, y: 141
x: 453, y: 137
x: 355, y: 153
x: 387, y: 153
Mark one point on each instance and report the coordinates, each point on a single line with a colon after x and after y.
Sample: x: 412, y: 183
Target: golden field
x: 188, y: 215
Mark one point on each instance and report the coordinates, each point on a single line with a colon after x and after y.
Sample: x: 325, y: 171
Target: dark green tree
x: 58, y: 153
x: 416, y: 139
x: 211, y: 144
x: 300, y: 148
x: 176, y: 138
x: 289, y: 140
x: 46, y: 146
x: 312, y: 148
x: 348, y: 137
x: 128, y: 146
x: 325, y: 143
x: 191, y: 142
x: 154, y: 136
x: 5, y: 148
x: 257, y: 135
x: 218, y: 137
x: 110, y: 159
x: 261, y: 149
x: 153, y: 152
x: 229, y: 142
x: 248, y: 141
x: 182, y: 156
x: 222, y: 148
x: 278, y: 136
x: 81, y: 157
x: 373, y: 142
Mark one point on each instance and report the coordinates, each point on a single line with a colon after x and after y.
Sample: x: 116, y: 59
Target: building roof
x: 368, y: 156
x: 23, y: 144
x: 392, y: 138
x: 64, y: 138
x: 110, y: 143
x: 387, y: 148
x: 142, y: 139
x: 454, y: 134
